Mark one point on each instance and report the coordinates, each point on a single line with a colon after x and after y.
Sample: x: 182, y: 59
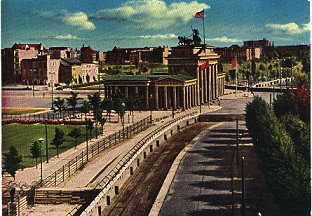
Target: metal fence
x: 81, y: 159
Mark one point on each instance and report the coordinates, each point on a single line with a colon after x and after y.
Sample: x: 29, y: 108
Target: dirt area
x: 139, y: 192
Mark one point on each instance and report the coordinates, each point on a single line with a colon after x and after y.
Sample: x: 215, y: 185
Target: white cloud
x: 223, y: 39
x: 152, y: 14
x: 65, y: 37
x: 78, y: 19
x: 160, y: 36
x: 290, y: 28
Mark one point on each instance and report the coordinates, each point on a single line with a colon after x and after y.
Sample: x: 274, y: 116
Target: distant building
x: 119, y: 56
x: 40, y: 71
x: 257, y: 43
x: 62, y: 52
x: 89, y: 72
x: 253, y: 53
x: 12, y: 57
x: 228, y: 53
x: 87, y: 54
x: 70, y: 71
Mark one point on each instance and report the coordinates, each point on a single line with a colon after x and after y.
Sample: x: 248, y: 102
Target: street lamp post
x: 33, y: 81
x: 123, y: 119
x: 200, y: 100
x: 87, y: 137
x: 172, y: 104
x: 151, y: 108
x: 46, y: 133
x: 281, y: 73
x: 40, y: 142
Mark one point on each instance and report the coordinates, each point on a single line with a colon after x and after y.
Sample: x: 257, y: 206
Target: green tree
x: 133, y: 103
x: 73, y: 100
x: 35, y: 151
x: 118, y: 101
x: 75, y: 133
x: 301, y: 80
x: 12, y: 161
x: 95, y: 102
x: 58, y: 139
x: 287, y: 173
x: 285, y: 103
x: 107, y: 105
x: 253, y: 69
x: 299, y: 133
x: 85, y: 108
x: 102, y: 122
x: 60, y: 106
x: 90, y: 127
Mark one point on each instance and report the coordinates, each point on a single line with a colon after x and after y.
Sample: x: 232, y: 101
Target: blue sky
x: 138, y: 23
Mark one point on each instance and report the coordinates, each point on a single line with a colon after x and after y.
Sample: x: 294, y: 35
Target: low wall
x: 155, y: 140
x: 220, y: 117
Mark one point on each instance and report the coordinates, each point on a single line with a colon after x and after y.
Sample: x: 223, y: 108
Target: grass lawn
x: 22, y: 136
x: 21, y: 111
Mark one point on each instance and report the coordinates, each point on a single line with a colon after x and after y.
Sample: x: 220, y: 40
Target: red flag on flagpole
x: 199, y: 14
x: 204, y: 66
x: 233, y: 62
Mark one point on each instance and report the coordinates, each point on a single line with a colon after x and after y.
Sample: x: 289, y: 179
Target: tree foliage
x: 85, y: 108
x: 73, y: 100
x: 75, y: 133
x: 299, y: 133
x: 12, y: 161
x: 285, y: 103
x: 58, y: 139
x: 302, y: 97
x: 35, y: 151
x: 107, y: 104
x: 287, y: 173
x: 60, y: 105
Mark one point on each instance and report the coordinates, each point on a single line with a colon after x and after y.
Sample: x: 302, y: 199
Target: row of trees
x: 269, y: 69
x: 282, y: 142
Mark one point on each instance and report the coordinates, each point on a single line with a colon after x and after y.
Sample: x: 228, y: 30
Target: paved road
x: 203, y: 180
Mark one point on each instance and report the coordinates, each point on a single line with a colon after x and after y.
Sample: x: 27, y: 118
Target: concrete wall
x: 106, y: 195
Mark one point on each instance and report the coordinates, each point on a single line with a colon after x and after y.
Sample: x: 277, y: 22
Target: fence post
x: 55, y: 179
x: 115, y: 138
x: 98, y: 147
x: 82, y: 158
x: 243, y: 188
x: 69, y: 168
x: 127, y: 132
x: 63, y: 173
x: 92, y: 151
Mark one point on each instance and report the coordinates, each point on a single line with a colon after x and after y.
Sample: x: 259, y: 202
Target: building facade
x: 12, y: 58
x: 186, y: 85
x: 40, y: 71
x: 89, y: 72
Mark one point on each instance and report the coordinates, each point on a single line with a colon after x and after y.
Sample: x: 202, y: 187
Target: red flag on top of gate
x: 233, y: 62
x: 199, y: 14
x: 204, y: 66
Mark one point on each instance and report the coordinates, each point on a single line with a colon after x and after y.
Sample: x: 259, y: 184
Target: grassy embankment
x: 22, y: 136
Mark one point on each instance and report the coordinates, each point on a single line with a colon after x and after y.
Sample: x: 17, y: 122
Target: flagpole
x: 204, y: 27
x: 236, y: 72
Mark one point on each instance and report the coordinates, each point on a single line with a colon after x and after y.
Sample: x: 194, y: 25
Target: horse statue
x: 186, y: 41
x: 196, y: 38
